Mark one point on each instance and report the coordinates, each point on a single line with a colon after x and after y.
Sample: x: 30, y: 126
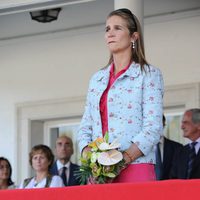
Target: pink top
x: 136, y: 173
x: 103, y: 101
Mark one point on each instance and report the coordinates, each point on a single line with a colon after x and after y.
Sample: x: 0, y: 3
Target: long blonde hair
x: 133, y: 24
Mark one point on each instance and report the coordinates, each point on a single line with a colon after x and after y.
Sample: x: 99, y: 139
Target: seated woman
x: 41, y: 158
x: 5, y: 174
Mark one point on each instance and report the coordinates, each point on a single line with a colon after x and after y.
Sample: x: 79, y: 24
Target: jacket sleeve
x: 85, y: 129
x: 152, y: 111
x: 174, y: 171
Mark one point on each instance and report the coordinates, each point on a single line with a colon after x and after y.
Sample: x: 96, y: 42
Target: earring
x: 133, y: 44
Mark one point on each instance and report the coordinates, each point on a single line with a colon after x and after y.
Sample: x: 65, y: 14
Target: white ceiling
x: 160, y: 7
x: 15, y: 20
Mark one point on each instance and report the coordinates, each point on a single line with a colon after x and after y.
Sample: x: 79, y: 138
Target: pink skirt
x: 136, y: 173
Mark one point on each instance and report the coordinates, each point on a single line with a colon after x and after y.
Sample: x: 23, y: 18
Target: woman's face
x: 4, y: 170
x: 40, y: 162
x: 117, y: 35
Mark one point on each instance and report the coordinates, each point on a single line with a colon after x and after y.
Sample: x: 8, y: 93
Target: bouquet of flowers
x: 103, y: 163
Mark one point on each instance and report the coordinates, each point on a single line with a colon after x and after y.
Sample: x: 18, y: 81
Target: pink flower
x: 111, y: 100
x: 151, y: 98
x: 151, y: 112
x: 111, y: 115
x: 130, y: 121
x: 129, y: 106
x: 152, y: 84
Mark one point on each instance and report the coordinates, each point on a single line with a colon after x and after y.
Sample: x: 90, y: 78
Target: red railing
x: 158, y: 190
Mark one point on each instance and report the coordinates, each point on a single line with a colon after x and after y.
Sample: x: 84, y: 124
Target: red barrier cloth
x: 157, y: 190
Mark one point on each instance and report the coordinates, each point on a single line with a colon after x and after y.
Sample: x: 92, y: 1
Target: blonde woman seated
x: 5, y: 174
x: 41, y: 158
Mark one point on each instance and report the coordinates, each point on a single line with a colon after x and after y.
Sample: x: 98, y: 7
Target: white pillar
x: 136, y: 6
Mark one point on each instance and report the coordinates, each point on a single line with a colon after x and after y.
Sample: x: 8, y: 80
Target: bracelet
x: 129, y: 156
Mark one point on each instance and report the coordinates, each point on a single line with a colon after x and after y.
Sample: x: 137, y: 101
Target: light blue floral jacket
x: 135, y: 109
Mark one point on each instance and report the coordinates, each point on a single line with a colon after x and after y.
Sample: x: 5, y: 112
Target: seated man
x: 164, y: 156
x: 186, y: 164
x: 63, y: 166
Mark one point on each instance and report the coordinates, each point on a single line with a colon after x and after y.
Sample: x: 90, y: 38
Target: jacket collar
x: 133, y: 71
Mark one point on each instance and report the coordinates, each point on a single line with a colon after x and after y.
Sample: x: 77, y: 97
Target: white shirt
x: 55, y: 182
x: 161, y: 145
x: 197, y: 146
x: 60, y: 168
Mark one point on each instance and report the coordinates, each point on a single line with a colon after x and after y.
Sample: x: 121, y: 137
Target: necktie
x: 63, y: 175
x: 192, y: 155
x: 159, y: 165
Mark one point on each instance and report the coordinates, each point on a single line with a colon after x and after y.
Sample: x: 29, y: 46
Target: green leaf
x: 106, y: 137
x: 83, y: 174
x: 101, y: 180
x: 110, y: 175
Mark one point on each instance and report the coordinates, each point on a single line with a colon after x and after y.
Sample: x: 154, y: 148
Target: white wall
x: 60, y: 65
x: 174, y: 46
x: 47, y: 67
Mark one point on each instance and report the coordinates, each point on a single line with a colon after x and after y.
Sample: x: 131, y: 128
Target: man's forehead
x: 187, y: 116
x: 63, y: 140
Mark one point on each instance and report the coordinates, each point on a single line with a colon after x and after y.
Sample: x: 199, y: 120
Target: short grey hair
x: 195, y: 115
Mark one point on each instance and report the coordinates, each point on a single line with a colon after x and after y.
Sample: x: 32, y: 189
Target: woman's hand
x: 126, y: 158
x: 131, y: 154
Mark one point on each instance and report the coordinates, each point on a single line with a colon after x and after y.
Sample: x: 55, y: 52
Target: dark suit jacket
x: 72, y: 178
x: 180, y: 164
x: 170, y: 147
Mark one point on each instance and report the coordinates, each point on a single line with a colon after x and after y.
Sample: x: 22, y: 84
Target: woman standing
x: 5, y: 174
x: 41, y: 159
x: 125, y: 99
